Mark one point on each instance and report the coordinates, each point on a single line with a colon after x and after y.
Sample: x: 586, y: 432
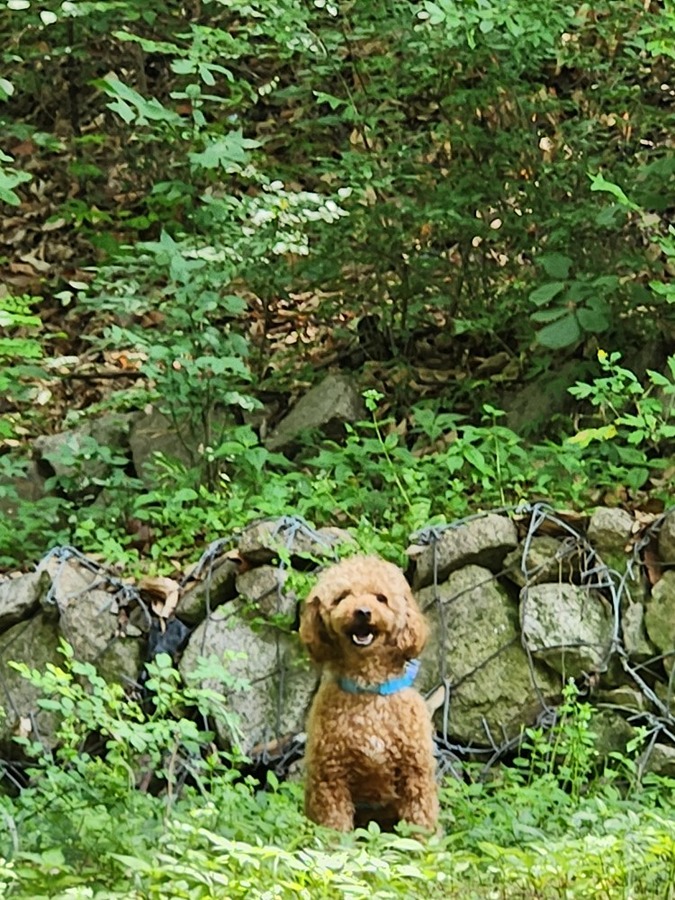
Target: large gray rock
x: 20, y: 598
x: 75, y: 456
x: 547, y: 559
x: 481, y: 542
x: 113, y: 430
x: 635, y: 640
x: 58, y: 452
x: 261, y: 542
x: 277, y: 686
x: 89, y: 620
x: 667, y: 539
x: 568, y: 627
x: 634, y: 586
x: 263, y: 589
x: 660, y: 616
x: 28, y: 485
x: 624, y: 697
x: 475, y: 636
x: 609, y: 532
x: 156, y: 433
x: 612, y: 733
x: 328, y: 406
x: 530, y: 407
x: 214, y: 586
x: 34, y: 643
x: 660, y: 760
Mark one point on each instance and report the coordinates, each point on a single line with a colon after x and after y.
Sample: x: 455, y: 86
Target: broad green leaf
x: 6, y: 89
x: 593, y: 320
x: 607, y: 215
x: 185, y: 495
x: 433, y: 14
x: 581, y: 390
x: 636, y: 478
x: 123, y: 110
x: 606, y: 281
x: 206, y: 75
x: 228, y: 152
x: 9, y: 179
x: 233, y: 304
x: 659, y: 380
x: 663, y: 290
x: 474, y: 456
x: 52, y: 857
x: 546, y: 292
x: 333, y: 102
x: 599, y: 183
x: 134, y: 863
x: 184, y: 66
x: 557, y: 265
x: 560, y: 334
x: 549, y: 315
x: 148, y: 110
x: 584, y: 438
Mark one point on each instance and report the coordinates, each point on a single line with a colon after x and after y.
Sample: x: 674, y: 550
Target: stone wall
x: 518, y: 603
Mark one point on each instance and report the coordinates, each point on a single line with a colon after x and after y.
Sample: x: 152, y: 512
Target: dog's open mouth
x: 362, y: 635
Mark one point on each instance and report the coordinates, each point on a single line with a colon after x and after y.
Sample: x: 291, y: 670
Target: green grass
x: 500, y: 840
x: 137, y: 802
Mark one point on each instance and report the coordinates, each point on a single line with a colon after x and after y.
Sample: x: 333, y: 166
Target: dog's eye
x: 340, y: 597
x: 381, y: 598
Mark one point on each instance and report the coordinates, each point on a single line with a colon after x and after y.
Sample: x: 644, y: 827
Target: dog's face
x: 360, y: 617
x: 362, y: 606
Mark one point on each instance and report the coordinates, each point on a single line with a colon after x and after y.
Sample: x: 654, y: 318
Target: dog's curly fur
x: 368, y: 756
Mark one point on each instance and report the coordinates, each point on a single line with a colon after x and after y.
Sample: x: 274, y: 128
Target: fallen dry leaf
x: 652, y: 566
x: 163, y: 593
x: 435, y: 700
x: 24, y: 727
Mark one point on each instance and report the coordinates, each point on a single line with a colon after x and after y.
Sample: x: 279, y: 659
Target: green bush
x: 124, y: 822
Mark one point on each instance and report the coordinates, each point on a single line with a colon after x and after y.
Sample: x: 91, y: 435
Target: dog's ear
x: 313, y: 633
x: 412, y: 636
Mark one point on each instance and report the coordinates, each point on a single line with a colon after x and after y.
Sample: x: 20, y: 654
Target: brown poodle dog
x: 370, y: 752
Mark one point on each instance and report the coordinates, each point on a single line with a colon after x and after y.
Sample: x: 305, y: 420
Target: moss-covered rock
x: 484, y: 541
x: 475, y: 645
x: 568, y: 627
x: 660, y: 617
x: 35, y: 643
x: 275, y: 684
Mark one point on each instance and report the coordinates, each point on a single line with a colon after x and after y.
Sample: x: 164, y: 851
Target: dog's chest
x: 373, y: 750
x: 372, y: 733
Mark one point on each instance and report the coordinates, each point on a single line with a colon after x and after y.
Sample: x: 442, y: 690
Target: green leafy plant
x: 156, y: 736
x: 83, y: 465
x: 19, y: 352
x: 567, y: 752
x: 28, y: 527
x: 10, y: 178
x: 549, y: 824
x: 637, y: 420
x: 576, y: 307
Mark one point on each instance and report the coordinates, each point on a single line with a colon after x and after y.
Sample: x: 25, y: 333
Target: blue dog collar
x: 387, y: 688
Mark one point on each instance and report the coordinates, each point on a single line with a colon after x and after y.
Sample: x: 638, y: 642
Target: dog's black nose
x: 363, y: 614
